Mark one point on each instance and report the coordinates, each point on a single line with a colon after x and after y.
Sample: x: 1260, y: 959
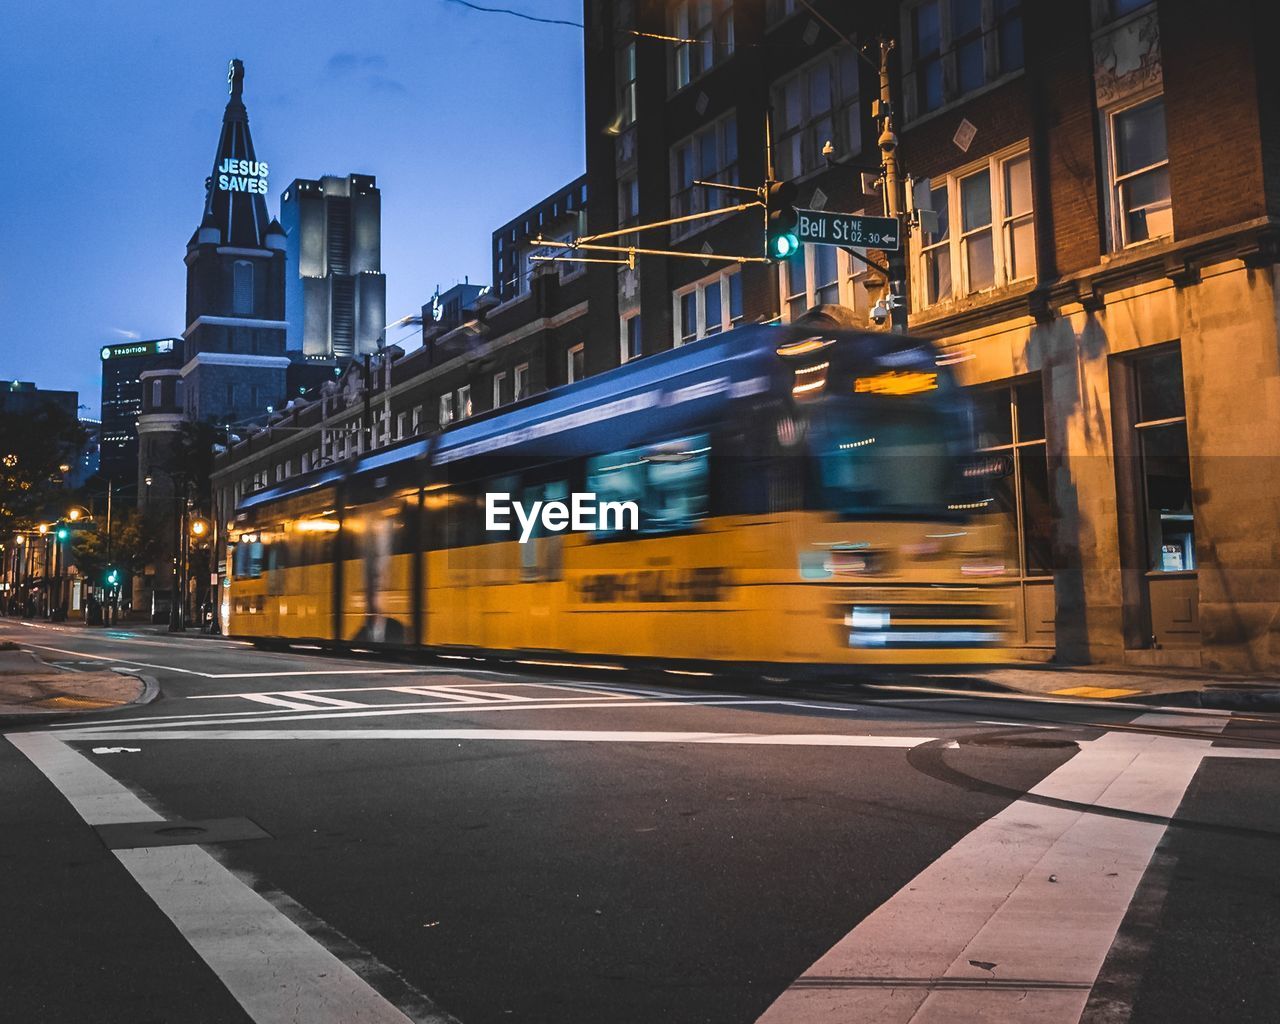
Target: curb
x: 150, y: 692
x: 1229, y: 699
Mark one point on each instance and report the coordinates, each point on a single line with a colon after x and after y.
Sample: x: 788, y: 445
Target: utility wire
x: 517, y: 14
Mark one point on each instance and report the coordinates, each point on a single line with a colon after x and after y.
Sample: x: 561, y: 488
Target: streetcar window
x: 668, y: 481
x: 247, y: 561
x: 899, y: 461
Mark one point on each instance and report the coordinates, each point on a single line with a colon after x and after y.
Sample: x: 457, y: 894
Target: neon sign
x: 243, y: 176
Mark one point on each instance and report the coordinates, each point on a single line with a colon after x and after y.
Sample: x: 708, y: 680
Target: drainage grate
x: 134, y: 834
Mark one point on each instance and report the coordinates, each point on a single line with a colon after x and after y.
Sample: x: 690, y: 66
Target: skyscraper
x: 122, y: 369
x: 336, y: 293
x: 235, y: 364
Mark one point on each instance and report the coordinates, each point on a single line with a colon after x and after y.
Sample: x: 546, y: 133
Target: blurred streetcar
x: 806, y: 496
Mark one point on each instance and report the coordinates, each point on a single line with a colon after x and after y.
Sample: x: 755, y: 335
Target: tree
x: 32, y: 450
x: 135, y: 543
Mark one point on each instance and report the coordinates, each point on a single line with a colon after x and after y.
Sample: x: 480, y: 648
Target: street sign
x: 822, y: 227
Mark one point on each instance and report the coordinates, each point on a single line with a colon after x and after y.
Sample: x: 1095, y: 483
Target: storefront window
x: 1168, y: 509
x: 1010, y: 421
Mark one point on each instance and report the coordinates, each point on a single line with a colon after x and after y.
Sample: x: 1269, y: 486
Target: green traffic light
x: 783, y: 246
x: 63, y: 533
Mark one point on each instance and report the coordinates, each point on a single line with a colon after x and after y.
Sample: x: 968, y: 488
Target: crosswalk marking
x: 1033, y: 896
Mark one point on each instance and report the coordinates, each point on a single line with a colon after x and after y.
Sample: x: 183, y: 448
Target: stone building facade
x: 1106, y: 180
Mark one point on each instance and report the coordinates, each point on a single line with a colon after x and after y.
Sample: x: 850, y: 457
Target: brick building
x: 1106, y: 176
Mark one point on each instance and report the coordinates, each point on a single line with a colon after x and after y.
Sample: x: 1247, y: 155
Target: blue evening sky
x: 111, y: 116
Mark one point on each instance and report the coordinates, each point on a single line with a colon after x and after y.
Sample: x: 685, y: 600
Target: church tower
x: 234, y: 363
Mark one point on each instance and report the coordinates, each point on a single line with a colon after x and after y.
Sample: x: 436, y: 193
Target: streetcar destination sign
x: 821, y: 227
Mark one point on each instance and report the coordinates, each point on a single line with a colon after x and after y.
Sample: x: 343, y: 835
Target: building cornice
x: 1255, y: 242
x: 234, y: 321
x: 233, y: 359
x: 159, y: 422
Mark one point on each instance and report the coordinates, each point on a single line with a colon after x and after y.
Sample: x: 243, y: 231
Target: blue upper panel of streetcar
x: 660, y: 395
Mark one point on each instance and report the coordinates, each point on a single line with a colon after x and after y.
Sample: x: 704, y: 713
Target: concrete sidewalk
x: 32, y: 690
x: 1184, y: 687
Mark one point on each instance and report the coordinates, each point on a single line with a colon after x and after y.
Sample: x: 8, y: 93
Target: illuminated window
x: 824, y: 275
x: 631, y: 340
x: 575, y: 363
x: 710, y: 154
x: 708, y: 306
x: 242, y: 287
x: 706, y: 30
x: 1141, y: 209
x: 1010, y: 422
x: 464, y: 401
x: 627, y: 78
x: 1161, y: 426
x: 985, y: 236
x: 817, y: 105
x: 446, y: 409
x: 954, y: 47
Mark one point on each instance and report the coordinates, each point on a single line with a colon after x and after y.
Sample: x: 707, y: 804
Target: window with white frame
x: 446, y: 408
x: 499, y: 388
x: 825, y: 275
x: 704, y: 29
x: 985, y: 236
x: 1138, y: 158
x: 464, y: 401
x: 956, y: 46
x: 521, y: 381
x: 708, y: 306
x: 710, y: 154
x: 401, y: 422
x: 627, y: 85
x: 575, y: 363
x: 817, y: 105
x: 631, y: 340
x: 416, y: 419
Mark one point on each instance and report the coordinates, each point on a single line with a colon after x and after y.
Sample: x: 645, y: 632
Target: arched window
x: 242, y: 286
x: 156, y: 400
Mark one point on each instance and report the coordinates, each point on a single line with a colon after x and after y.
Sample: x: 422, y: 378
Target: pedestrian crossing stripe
x: 1096, y: 692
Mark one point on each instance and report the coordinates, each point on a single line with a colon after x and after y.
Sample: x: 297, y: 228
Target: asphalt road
x: 300, y: 837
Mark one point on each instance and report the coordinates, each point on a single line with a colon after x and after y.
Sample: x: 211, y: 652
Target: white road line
x: 483, y: 695
x: 123, y: 661
x: 289, y: 715
x: 280, y: 702
x: 319, y: 698
x: 435, y: 691
x: 232, y: 675
x: 1039, y: 891
x: 275, y: 970
x: 310, y: 672
x: 519, y: 736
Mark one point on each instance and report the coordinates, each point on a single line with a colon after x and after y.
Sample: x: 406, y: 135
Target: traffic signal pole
x: 894, y: 205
